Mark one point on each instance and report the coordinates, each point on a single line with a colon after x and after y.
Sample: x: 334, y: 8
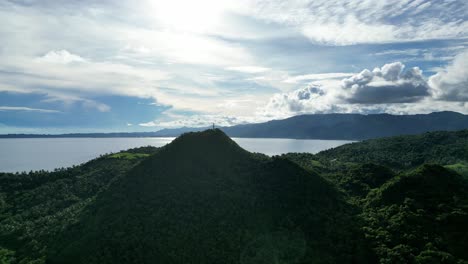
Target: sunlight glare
x: 192, y: 16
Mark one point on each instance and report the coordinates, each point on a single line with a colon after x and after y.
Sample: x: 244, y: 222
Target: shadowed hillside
x: 419, y: 217
x: 203, y: 199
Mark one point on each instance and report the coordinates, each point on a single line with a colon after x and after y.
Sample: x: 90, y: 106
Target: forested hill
x: 203, y: 199
x: 316, y: 126
x: 402, y: 152
x: 412, y: 192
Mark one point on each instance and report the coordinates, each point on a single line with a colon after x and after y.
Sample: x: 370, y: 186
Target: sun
x: 199, y: 16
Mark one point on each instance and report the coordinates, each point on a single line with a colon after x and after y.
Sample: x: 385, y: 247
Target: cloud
x: 351, y: 31
x: 421, y: 55
x: 91, y: 104
x: 451, y: 83
x: 316, y: 76
x: 354, y: 21
x: 248, y: 69
x: 296, y: 100
x: 70, y: 101
x: 26, y: 109
x: 388, y: 89
x: 60, y: 57
x: 388, y: 84
x: 203, y: 120
x: 219, y: 59
x: 65, y: 73
x: 310, y: 99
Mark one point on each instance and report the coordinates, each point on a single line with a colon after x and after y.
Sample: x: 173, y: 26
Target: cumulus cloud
x: 310, y: 99
x: 61, y: 57
x: 451, y: 84
x: 389, y: 89
x: 296, y: 100
x: 388, y: 84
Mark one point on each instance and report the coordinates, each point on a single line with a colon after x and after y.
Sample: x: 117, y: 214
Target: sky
x: 101, y: 66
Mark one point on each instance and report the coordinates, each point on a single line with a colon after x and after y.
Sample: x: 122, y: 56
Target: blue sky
x: 99, y: 66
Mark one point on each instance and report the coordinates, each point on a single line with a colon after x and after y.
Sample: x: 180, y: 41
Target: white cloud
x: 204, y: 120
x: 388, y: 89
x: 90, y: 104
x: 451, y: 83
x: 61, y: 57
x: 248, y: 69
x: 316, y: 76
x: 26, y: 109
x: 351, y: 31
x: 388, y: 84
x: 311, y: 99
x: 59, y: 73
x: 131, y: 56
x: 355, y: 21
x: 70, y: 101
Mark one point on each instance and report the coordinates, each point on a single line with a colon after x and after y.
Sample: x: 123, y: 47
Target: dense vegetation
x: 37, y: 206
x: 405, y: 152
x: 411, y: 210
x: 203, y: 199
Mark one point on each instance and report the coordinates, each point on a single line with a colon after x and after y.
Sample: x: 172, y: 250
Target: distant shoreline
x: 316, y: 126
x: 39, y: 136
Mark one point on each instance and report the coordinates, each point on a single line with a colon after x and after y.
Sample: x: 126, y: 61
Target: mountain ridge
x: 312, y: 126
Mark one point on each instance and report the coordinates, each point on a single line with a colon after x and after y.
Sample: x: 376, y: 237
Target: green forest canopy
x: 204, y: 199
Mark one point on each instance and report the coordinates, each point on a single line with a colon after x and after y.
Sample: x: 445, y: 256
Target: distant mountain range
x: 316, y: 126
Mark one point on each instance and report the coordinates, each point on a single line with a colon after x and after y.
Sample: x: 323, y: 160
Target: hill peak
x: 208, y: 143
x: 208, y: 136
x: 206, y: 133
